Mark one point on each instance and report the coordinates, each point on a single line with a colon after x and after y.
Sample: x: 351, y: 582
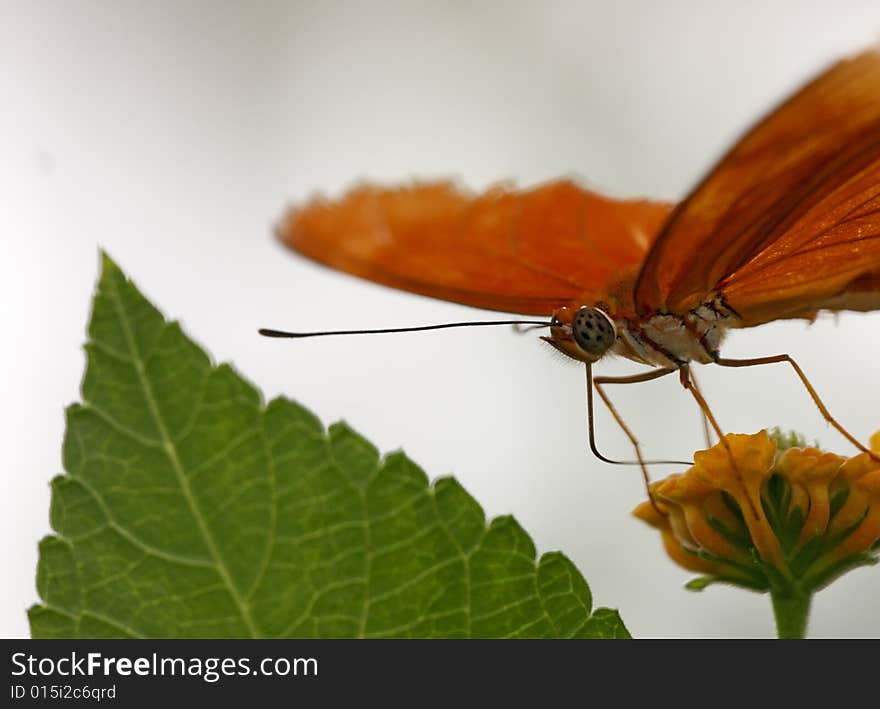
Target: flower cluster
x: 757, y: 513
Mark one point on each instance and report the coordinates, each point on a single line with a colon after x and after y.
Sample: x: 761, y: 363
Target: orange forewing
x: 528, y: 251
x: 788, y: 222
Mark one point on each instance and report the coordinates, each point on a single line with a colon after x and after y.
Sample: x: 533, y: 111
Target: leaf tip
x: 108, y: 265
x: 552, y: 557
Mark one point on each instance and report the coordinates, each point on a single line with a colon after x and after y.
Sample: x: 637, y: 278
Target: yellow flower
x: 753, y: 515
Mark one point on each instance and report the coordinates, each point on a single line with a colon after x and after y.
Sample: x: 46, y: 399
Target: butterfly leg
x: 687, y: 381
x: 633, y: 379
x: 703, y: 418
x: 809, y: 387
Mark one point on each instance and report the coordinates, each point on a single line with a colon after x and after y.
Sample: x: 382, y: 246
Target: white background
x: 173, y: 134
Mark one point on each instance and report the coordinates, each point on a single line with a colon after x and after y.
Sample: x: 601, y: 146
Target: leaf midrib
x: 171, y: 450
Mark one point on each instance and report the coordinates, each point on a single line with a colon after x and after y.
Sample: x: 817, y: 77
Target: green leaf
x: 190, y: 509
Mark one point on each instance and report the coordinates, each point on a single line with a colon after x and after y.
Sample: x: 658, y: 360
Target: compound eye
x: 593, y: 331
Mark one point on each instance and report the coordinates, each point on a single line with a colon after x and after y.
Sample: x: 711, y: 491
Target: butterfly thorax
x: 667, y: 340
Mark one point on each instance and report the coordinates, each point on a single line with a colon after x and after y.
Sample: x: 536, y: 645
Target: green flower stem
x: 791, y: 606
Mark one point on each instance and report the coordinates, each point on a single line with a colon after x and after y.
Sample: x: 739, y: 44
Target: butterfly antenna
x: 266, y: 332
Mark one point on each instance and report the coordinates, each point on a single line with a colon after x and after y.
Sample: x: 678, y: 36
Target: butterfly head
x: 584, y: 334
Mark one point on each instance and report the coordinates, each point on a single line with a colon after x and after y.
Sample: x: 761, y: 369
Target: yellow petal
x: 810, y: 470
x: 857, y: 500
x: 691, y: 495
x: 868, y: 532
x: 739, y: 465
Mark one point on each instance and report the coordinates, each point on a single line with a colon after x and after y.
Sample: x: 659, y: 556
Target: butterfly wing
x: 788, y: 222
x: 522, y: 251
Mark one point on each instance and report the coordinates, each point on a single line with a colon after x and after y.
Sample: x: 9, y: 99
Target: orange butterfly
x: 786, y: 224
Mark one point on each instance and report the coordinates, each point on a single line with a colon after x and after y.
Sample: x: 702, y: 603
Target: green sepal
x: 699, y: 583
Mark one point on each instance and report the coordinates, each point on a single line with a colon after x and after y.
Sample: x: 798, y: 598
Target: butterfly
x: 786, y: 224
